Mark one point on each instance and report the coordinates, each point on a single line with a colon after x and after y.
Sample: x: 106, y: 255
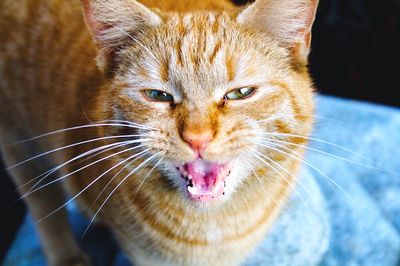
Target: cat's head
x: 208, y: 88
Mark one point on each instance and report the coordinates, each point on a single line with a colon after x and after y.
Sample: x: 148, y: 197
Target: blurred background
x: 356, y: 49
x: 355, y: 54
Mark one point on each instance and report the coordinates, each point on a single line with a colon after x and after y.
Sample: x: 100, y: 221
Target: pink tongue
x: 204, y: 174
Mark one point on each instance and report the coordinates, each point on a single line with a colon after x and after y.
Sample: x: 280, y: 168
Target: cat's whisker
x: 134, y: 124
x: 330, y: 181
x: 255, y: 173
x: 103, y: 149
x: 116, y: 187
x: 52, y: 170
x: 146, y: 177
x: 87, y: 187
x: 249, y: 161
x: 83, y: 127
x: 272, y: 118
x: 335, y: 156
x: 291, y: 153
x: 306, y: 189
x: 315, y: 221
x: 321, y: 141
x: 100, y: 152
x: 74, y: 145
x: 115, y: 176
x: 76, y: 171
x: 96, y: 154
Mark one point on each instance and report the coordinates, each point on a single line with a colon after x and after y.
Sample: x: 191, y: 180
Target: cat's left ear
x: 113, y: 23
x: 287, y: 21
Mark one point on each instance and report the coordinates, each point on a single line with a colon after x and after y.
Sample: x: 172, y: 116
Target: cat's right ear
x: 113, y: 22
x: 287, y: 21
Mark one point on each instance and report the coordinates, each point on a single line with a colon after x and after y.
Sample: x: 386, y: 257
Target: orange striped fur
x: 56, y: 71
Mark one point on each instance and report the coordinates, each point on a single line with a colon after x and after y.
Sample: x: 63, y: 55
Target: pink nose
x: 198, y: 140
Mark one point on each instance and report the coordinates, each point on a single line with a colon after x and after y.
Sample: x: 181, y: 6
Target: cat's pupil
x: 240, y: 93
x: 245, y: 91
x: 157, y: 95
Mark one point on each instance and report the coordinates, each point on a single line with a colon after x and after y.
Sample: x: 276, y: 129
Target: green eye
x: 239, y: 94
x: 159, y: 96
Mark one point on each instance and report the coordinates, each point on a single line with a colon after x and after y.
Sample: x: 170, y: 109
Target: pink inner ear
x: 301, y: 48
x: 309, y: 21
x: 289, y: 21
x: 96, y: 27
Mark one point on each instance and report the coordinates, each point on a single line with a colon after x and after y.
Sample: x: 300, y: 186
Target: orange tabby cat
x: 176, y: 108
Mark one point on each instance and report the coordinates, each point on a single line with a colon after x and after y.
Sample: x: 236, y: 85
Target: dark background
x: 356, y: 49
x: 355, y: 54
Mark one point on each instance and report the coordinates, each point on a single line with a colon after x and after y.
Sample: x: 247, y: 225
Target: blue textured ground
x: 358, y: 226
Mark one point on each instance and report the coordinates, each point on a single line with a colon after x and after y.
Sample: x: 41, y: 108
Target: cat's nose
x: 199, y: 139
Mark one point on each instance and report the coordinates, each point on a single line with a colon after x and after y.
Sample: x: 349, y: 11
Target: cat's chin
x: 204, y: 181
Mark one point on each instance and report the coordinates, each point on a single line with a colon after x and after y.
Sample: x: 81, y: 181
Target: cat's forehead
x: 201, y: 52
x: 201, y: 55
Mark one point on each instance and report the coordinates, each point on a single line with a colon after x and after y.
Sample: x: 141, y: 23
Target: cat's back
x: 46, y: 59
x: 34, y: 28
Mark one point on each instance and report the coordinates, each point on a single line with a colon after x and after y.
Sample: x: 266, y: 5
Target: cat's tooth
x: 216, y: 188
x: 192, y: 190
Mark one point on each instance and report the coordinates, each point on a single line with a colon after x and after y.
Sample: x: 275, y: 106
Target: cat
x: 166, y: 116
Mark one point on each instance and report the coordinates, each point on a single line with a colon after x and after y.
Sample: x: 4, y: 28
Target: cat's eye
x: 159, y: 96
x: 241, y: 93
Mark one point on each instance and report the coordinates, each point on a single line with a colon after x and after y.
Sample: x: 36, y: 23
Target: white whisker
x: 119, y: 122
x: 115, y: 176
x: 297, y: 193
x: 254, y: 172
x: 86, y: 188
x: 53, y: 170
x: 285, y: 170
x: 96, y: 154
x: 322, y: 141
x: 76, y: 171
x: 335, y: 156
x: 80, y: 127
x: 329, y: 180
x: 119, y: 184
x: 295, y: 115
x: 73, y: 145
x: 145, y: 178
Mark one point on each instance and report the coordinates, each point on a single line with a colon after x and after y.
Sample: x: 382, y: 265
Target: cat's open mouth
x: 205, y: 181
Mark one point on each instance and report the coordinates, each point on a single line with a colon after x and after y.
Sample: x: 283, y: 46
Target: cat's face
x: 207, y: 87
